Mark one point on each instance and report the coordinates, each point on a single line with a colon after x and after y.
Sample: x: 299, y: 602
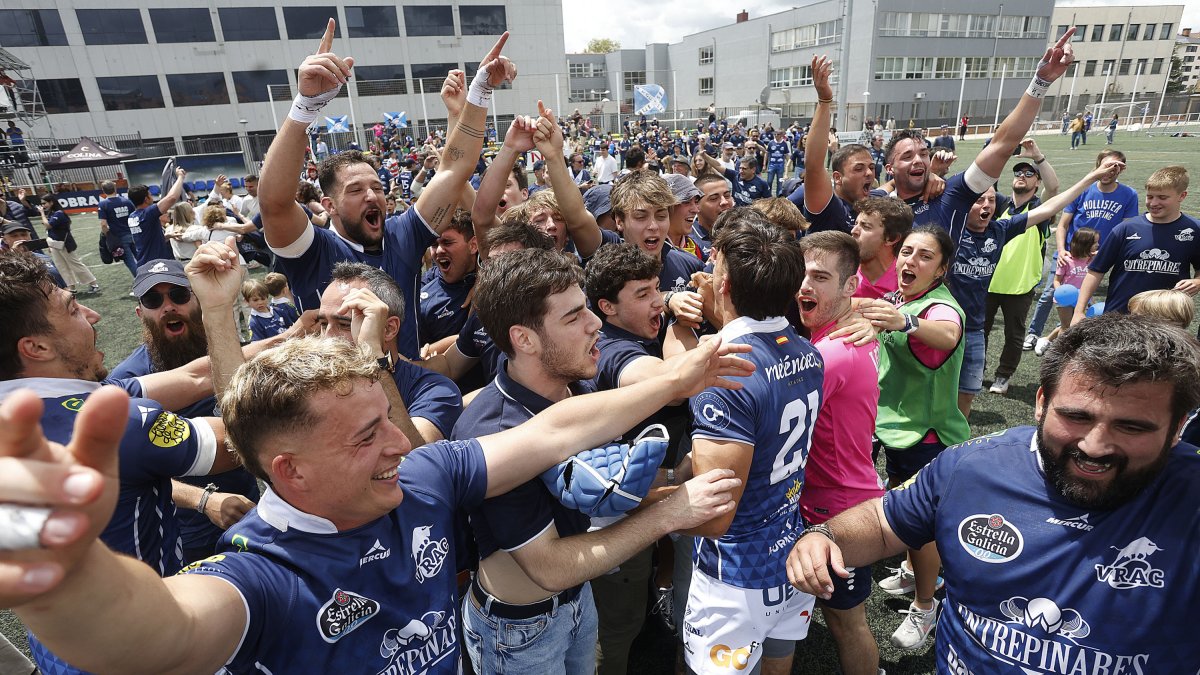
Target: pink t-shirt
x: 928, y: 356
x: 880, y: 287
x: 1073, y: 270
x: 840, y: 472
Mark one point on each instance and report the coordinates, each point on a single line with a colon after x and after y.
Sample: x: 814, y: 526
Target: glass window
x: 31, y: 28
x: 1149, y: 34
x: 430, y: 75
x: 251, y: 85
x: 1035, y: 27
x: 706, y: 86
x: 1098, y: 32
x: 381, y: 80
x: 889, y: 68
x: 1080, y: 31
x: 1156, y: 67
x: 482, y: 19
x: 130, y: 92
x: 188, y: 89
x: 308, y: 23
x: 977, y: 67
x: 1165, y: 33
x: 182, y: 25
x: 1126, y: 64
x: 1115, y: 31
x: 62, y: 96
x: 633, y: 78
x: 1141, y: 66
x: 112, y: 27
x: 706, y: 55
x: 422, y: 20
x: 948, y: 67
x: 1089, y: 69
x: 372, y: 22
x: 1010, y: 26
x: 918, y: 68
x: 1109, y: 67
x: 1134, y: 29
x: 247, y: 24
x: 1060, y: 31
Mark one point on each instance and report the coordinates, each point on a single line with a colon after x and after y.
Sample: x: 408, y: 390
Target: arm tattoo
x: 469, y: 130
x: 439, y: 216
x: 455, y: 152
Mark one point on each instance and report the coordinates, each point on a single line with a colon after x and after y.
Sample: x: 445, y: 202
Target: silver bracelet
x: 820, y: 529
x: 208, y: 491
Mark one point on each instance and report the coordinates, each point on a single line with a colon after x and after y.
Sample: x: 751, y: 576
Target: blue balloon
x: 1066, y: 295
x: 1095, y: 310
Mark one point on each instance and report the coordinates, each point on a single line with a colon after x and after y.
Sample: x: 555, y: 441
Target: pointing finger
x: 327, y: 38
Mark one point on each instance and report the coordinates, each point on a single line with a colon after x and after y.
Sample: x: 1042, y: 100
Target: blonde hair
x: 255, y: 287
x: 540, y: 201
x: 1171, y: 306
x: 268, y: 395
x: 1168, y: 178
x: 640, y: 189
x: 275, y: 282
x: 212, y: 215
x: 782, y: 212
x: 182, y: 214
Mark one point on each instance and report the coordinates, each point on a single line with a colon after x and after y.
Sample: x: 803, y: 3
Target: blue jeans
x: 561, y: 641
x: 126, y: 242
x: 1045, y: 303
x: 970, y: 378
x: 775, y: 177
x: 1075, y: 138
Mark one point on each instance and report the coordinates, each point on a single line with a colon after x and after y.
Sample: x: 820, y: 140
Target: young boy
x: 1157, y: 250
x: 266, y: 319
x: 281, y: 293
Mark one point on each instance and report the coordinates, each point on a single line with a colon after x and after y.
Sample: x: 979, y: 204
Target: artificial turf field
x: 120, y: 333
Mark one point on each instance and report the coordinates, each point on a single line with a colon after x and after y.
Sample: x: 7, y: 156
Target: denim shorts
x: 970, y: 379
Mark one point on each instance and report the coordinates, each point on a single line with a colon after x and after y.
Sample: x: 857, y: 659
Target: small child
x: 266, y: 320
x: 1069, y: 276
x: 1171, y: 306
x: 281, y: 292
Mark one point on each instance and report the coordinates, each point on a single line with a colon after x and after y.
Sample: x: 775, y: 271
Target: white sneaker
x: 904, y: 581
x: 915, y: 628
x: 1042, y: 345
x: 1030, y: 341
x: 1000, y: 386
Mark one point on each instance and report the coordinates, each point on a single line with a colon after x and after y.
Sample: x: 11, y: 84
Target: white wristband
x: 305, y: 108
x: 479, y: 94
x: 1038, y: 87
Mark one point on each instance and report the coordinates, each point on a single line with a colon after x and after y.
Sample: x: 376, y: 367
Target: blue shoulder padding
x: 611, y: 480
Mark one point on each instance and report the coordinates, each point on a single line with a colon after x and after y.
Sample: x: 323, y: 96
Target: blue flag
x: 335, y: 124
x: 396, y: 119
x: 649, y: 99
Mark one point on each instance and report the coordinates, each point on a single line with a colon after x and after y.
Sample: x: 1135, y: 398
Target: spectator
x: 62, y: 247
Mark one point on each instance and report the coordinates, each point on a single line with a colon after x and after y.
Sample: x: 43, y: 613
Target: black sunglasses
x: 178, y: 295
x: 1024, y: 173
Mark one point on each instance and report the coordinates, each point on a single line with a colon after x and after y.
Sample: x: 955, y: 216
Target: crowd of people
x: 355, y: 463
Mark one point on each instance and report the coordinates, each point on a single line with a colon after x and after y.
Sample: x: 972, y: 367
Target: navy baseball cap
x: 157, y: 272
x: 597, y: 200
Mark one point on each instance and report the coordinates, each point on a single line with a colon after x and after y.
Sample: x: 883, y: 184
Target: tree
x: 601, y: 46
x: 1175, y: 83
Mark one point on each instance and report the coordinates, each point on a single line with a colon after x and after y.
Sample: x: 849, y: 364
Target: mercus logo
x: 376, y: 552
x: 1078, y: 522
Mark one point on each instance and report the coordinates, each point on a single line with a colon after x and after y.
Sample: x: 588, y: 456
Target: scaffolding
x: 20, y: 103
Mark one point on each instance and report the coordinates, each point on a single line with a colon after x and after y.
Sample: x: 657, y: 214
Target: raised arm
x: 818, y: 189
x: 1031, y: 151
x: 98, y: 610
x: 1048, y: 208
x: 517, y: 141
x: 168, y: 200
x: 581, y: 224
x: 319, y: 80
x: 1054, y: 63
x: 438, y: 200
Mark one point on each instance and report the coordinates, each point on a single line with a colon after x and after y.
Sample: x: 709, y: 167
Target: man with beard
x: 444, y: 295
x: 48, y: 345
x: 1090, y: 519
x: 172, y: 337
x: 826, y: 205
x: 880, y: 227
x: 353, y: 193
x: 536, y: 556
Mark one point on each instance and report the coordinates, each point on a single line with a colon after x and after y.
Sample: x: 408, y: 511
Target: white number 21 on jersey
x: 797, y: 422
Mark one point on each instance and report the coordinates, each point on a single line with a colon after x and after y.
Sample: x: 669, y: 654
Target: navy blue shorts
x: 849, y: 593
x: 904, y: 463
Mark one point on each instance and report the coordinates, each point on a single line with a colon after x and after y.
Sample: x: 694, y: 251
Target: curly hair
x: 25, y: 290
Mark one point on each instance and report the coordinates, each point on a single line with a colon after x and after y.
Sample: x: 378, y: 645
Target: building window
x: 706, y: 56
x: 977, y: 67
x: 918, y: 68
x: 1010, y: 26
x: 251, y: 85
x: 177, y: 25
x: 372, y: 21
x: 801, y: 76
x: 380, y: 80
x: 586, y: 69
x: 62, y: 96
x: 827, y: 32
x: 982, y: 25
x: 1156, y: 67
x: 129, y: 92
x: 706, y: 86
x: 888, y: 68
x: 1089, y: 69
x: 1060, y: 31
x: 1080, y: 31
x: 31, y: 28
x: 1134, y: 29
x: 1149, y: 34
x: 1114, y: 32
x: 112, y: 27
x: 189, y: 89
x: 308, y: 23
x: 1014, y: 66
x: 1190, y: 49
x: 1126, y: 64
x: 1141, y: 66
x: 482, y: 19
x: 423, y: 20
x: 948, y: 67
x: 632, y: 78
x: 1165, y: 33
x: 1098, y: 32
x: 248, y: 24
x: 429, y: 76
x: 1035, y: 27
x: 1109, y: 66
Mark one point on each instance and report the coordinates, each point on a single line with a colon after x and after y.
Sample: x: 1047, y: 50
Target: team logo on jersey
x: 989, y: 245
x: 73, y: 404
x: 1133, y: 237
x: 342, y: 613
x: 1078, y: 522
x: 712, y: 409
x: 240, y: 542
x: 1186, y: 234
x: 990, y: 538
x: 1045, y: 614
x: 168, y: 430
x: 421, y: 629
x: 725, y: 656
x: 1132, y: 569
x: 376, y: 552
x: 427, y: 553
x: 445, y: 313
